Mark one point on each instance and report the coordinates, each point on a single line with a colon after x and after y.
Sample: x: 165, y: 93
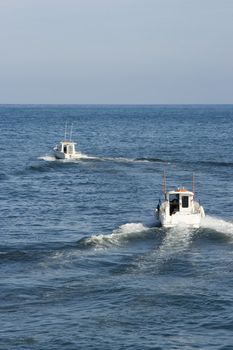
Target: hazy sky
x: 116, y: 51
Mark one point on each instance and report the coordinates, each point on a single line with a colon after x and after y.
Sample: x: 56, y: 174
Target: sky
x: 116, y: 51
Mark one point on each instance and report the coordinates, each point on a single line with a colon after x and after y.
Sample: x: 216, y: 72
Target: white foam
x: 83, y: 156
x: 130, y: 228
x: 47, y: 158
x: 118, y: 159
x: 218, y: 225
x: 126, y: 160
x: 118, y: 235
x: 179, y: 239
x: 79, y: 156
x: 176, y: 241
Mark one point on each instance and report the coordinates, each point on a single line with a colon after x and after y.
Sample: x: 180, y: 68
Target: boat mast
x: 71, y: 129
x: 65, y: 131
x: 193, y: 185
x: 164, y: 184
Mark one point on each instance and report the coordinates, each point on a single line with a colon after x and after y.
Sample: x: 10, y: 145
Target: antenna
x: 164, y: 183
x: 71, y: 129
x: 65, y: 131
x: 193, y: 185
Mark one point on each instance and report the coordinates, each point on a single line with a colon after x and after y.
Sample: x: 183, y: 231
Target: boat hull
x: 181, y: 219
x: 62, y: 155
x: 59, y: 155
x: 193, y: 220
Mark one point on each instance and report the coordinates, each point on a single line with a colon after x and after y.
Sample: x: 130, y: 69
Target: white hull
x: 178, y: 219
x: 62, y: 155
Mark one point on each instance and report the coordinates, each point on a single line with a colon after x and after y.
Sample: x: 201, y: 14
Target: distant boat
x: 66, y: 149
x: 179, y: 208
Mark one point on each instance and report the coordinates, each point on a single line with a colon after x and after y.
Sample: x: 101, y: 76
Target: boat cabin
x: 66, y: 147
x: 180, y: 200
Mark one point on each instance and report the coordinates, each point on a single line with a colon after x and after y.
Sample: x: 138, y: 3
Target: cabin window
x: 65, y: 149
x: 185, y: 201
x: 174, y: 203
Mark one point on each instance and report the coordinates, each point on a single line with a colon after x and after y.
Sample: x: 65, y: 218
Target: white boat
x: 66, y: 149
x: 179, y: 208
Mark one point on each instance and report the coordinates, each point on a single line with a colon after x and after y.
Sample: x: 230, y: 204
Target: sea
x: 84, y: 263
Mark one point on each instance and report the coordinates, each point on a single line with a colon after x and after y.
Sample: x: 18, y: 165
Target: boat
x: 179, y: 208
x: 65, y: 149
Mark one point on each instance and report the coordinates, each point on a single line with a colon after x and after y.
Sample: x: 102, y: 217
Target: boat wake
x: 47, y: 158
x: 118, y: 236
x: 88, y: 247
x: 85, y: 157
x: 176, y: 241
x: 164, y: 248
x: 219, y: 225
x: 134, y: 160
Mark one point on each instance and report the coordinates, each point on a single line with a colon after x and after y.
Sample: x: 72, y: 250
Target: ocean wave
x: 218, y: 225
x: 13, y: 255
x: 207, y: 163
x: 153, y: 160
x: 34, y: 252
x: 38, y: 168
x: 174, y: 244
x: 117, y: 237
x: 84, y: 251
x: 177, y: 240
x: 3, y: 176
x: 47, y: 158
x: 134, y: 160
x: 214, y: 163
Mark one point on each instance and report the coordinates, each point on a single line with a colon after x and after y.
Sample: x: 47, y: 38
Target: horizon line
x: 116, y: 104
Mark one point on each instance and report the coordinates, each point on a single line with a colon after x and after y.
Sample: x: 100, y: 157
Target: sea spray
x: 218, y: 225
x: 117, y: 237
x: 175, y: 242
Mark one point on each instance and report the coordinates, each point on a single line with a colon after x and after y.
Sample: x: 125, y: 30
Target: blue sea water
x: 83, y: 262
